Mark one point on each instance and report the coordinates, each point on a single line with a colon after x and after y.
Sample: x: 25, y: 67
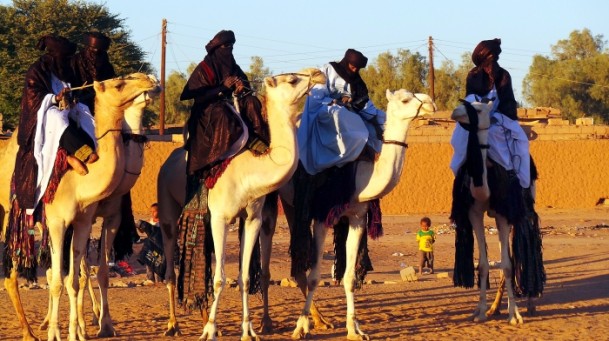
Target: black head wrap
x: 486, y: 49
x: 56, y: 46
x: 222, y: 37
x: 96, y: 40
x: 56, y: 59
x: 355, y: 58
x: 359, y: 90
x: 219, y: 58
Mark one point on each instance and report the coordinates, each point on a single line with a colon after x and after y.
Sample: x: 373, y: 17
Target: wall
x: 573, y: 164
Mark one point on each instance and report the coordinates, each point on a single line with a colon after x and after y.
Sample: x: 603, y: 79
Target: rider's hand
x: 238, y: 86
x: 62, y: 94
x: 230, y: 81
x: 346, y: 99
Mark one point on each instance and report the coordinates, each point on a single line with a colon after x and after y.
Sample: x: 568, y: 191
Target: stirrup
x: 257, y: 146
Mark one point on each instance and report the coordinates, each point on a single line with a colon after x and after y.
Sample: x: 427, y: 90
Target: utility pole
x: 162, y: 96
x: 431, y: 71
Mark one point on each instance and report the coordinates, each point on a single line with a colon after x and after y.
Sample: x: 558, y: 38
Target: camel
x: 479, y: 121
x: 239, y: 193
x: 373, y: 180
x: 110, y: 210
x: 77, y: 196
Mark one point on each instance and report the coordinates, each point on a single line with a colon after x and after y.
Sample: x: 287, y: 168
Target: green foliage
x: 23, y: 23
x: 575, y: 79
x: 406, y: 70
x: 257, y: 73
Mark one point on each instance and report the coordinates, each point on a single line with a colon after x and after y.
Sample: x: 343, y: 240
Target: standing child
x: 152, y: 252
x: 425, y: 238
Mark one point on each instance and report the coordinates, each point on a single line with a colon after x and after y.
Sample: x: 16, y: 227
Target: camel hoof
x: 514, y: 321
x: 174, y: 331
x: 106, y: 331
x: 266, y: 325
x: 358, y: 337
x: 480, y: 318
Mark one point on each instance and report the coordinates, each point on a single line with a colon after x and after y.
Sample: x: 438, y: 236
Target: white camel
x: 373, y: 180
x: 76, y: 198
x: 473, y: 216
x: 110, y: 210
x: 239, y: 192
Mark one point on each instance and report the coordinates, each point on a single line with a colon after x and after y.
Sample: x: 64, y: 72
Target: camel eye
x: 293, y: 80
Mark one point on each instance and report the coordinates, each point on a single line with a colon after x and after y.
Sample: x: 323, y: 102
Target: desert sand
x: 575, y: 304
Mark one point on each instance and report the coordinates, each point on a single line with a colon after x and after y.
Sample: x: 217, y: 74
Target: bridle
x: 404, y: 144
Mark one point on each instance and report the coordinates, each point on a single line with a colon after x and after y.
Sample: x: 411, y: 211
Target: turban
x: 56, y: 46
x: 485, y: 49
x: 355, y: 58
x: 97, y: 40
x: 221, y: 38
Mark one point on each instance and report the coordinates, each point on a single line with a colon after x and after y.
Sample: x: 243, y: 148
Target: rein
x: 398, y: 143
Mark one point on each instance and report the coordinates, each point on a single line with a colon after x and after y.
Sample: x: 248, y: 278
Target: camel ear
x: 99, y: 86
x: 270, y: 82
x: 389, y: 94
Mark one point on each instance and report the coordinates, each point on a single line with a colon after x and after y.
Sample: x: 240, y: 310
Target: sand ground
x: 575, y: 304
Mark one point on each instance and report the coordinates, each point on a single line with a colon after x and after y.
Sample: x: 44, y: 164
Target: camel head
x: 135, y: 112
x: 121, y: 91
x: 482, y: 107
x: 290, y: 87
x: 408, y: 106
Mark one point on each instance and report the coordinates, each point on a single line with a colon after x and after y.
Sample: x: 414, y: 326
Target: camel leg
x: 506, y: 265
x: 319, y: 321
x: 266, y: 244
x: 12, y: 288
x: 170, y: 231
x: 94, y: 302
x: 248, y: 241
x: 82, y: 285
x: 45, y: 322
x: 82, y: 230
x: 476, y: 216
x: 219, y: 231
x: 494, y: 309
x: 57, y: 233
x: 106, y: 329
x: 302, y: 325
x: 353, y: 239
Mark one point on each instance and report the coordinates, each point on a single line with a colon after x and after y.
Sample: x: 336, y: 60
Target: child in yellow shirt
x: 425, y: 238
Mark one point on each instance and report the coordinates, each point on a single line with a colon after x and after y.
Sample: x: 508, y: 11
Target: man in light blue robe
x: 339, y: 119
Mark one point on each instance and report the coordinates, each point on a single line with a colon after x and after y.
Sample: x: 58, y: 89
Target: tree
x: 406, y: 70
x: 23, y: 23
x: 575, y: 79
x: 450, y: 82
x: 257, y: 73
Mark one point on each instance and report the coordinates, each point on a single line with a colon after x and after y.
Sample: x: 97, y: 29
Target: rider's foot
x: 77, y: 165
x: 92, y: 158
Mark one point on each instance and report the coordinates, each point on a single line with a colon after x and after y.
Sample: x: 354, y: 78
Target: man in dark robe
x: 91, y: 64
x: 212, y: 126
x: 54, y: 64
x: 487, y: 73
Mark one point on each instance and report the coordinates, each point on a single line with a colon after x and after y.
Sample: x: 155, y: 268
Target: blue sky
x: 290, y: 35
